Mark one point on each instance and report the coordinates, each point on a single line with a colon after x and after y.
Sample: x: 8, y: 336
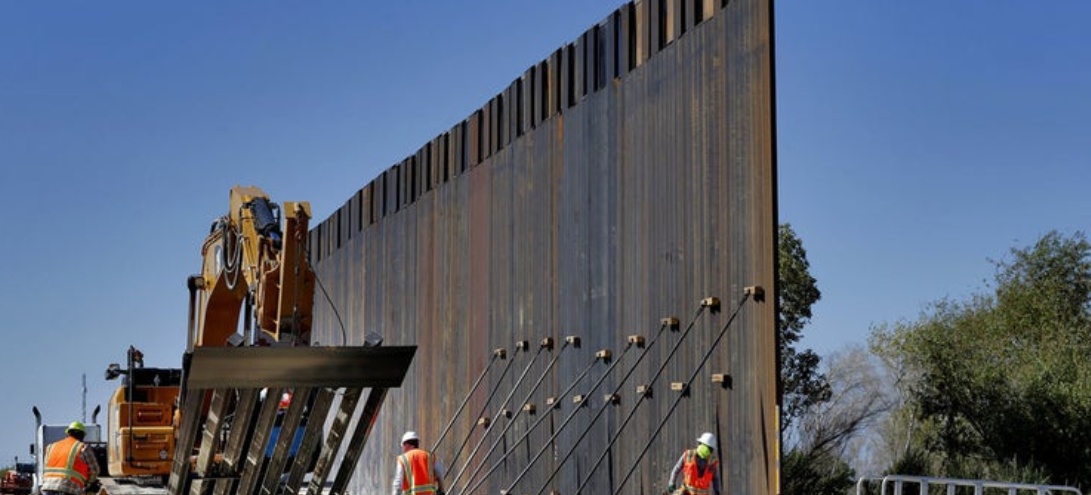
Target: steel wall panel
x: 473, y: 140
x: 405, y: 182
x: 489, y: 128
x: 626, y: 51
x: 525, y: 97
x: 617, y: 205
x: 378, y: 198
x: 656, y: 31
x: 435, y: 162
x: 417, y: 174
x: 367, y: 205
x: 422, y: 163
x: 340, y: 216
x: 566, y: 86
x: 579, y: 69
x: 672, y: 20
x: 352, y: 206
x: 608, y: 50
x: 535, y: 96
x: 553, y: 88
x: 640, y: 32
x: 454, y: 153
x: 589, y: 41
x: 382, y: 193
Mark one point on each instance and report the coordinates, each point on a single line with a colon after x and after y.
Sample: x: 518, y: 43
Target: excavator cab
x: 140, y: 419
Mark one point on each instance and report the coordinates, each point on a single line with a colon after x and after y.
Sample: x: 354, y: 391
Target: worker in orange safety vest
x: 699, y: 468
x: 70, y: 466
x: 418, y: 471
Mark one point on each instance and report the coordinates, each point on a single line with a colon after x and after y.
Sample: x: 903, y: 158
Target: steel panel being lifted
x: 287, y: 367
x: 246, y: 384
x: 621, y: 180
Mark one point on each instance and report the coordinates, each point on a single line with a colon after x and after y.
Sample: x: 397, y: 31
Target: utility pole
x: 84, y: 398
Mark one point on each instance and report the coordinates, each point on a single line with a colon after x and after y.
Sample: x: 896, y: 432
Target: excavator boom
x: 247, y: 254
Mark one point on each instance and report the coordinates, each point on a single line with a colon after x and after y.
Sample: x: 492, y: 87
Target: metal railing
x: 898, y: 482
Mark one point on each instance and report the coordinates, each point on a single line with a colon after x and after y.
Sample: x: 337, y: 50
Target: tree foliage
x: 829, y: 433
x: 858, y: 398
x: 813, y: 465
x: 1000, y: 384
x: 804, y: 385
x: 814, y: 473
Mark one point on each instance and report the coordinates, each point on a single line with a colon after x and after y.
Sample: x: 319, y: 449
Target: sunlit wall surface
x: 620, y: 181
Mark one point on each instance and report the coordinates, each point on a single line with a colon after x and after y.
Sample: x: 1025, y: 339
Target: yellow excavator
x: 249, y: 260
x: 224, y: 420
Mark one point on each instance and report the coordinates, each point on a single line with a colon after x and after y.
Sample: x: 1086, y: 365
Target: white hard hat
x: 708, y: 439
x: 410, y: 435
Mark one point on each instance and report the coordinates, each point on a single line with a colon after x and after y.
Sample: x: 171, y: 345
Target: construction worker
x: 700, y: 469
x: 418, y: 471
x: 70, y: 466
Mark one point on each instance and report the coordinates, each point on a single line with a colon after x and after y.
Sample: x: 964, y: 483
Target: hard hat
x: 76, y: 426
x: 410, y: 435
x: 708, y: 439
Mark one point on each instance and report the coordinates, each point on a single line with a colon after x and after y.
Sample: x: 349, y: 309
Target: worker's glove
x: 670, y: 488
x: 93, y: 487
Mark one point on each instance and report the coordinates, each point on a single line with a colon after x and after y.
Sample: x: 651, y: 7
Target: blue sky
x: 916, y: 140
x: 919, y: 140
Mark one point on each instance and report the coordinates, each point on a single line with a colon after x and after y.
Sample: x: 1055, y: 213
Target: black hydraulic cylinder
x: 265, y: 222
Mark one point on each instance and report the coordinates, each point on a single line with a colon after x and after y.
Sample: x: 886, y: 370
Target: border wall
x: 623, y: 179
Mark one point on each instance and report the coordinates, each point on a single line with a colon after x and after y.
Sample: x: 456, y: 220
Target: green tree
x: 804, y: 386
x: 999, y: 385
x: 814, y: 473
x: 811, y: 465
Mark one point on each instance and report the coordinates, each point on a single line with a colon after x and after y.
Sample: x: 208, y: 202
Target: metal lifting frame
x: 227, y: 381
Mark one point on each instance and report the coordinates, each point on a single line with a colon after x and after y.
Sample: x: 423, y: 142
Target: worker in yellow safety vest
x: 699, y: 468
x: 418, y: 471
x: 70, y: 466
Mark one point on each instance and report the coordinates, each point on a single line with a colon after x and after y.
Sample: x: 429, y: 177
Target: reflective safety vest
x: 63, y: 461
x: 696, y: 482
x: 420, y: 472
